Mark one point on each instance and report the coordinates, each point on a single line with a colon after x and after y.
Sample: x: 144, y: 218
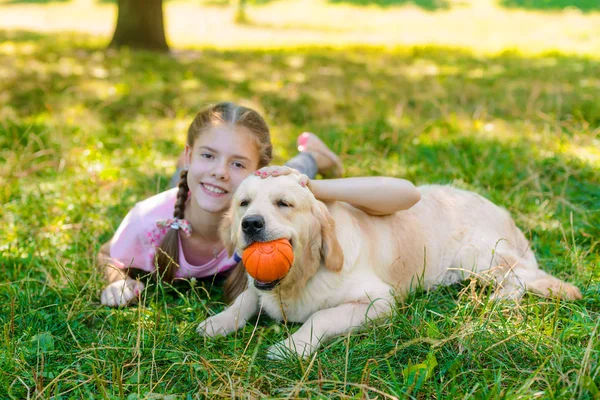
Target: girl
x: 175, y: 234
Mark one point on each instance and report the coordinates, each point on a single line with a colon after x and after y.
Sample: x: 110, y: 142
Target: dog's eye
x: 244, y: 203
x: 281, y: 203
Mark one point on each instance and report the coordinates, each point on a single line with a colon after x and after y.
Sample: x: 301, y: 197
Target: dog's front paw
x: 218, y: 325
x: 121, y: 293
x: 279, y: 351
x: 289, y: 348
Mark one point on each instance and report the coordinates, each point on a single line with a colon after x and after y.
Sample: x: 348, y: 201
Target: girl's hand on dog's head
x: 276, y: 171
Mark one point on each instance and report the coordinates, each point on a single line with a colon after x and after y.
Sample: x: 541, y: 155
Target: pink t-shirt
x: 137, y: 238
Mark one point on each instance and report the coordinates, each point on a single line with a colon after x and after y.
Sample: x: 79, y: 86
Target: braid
x: 167, y: 254
x: 182, y: 195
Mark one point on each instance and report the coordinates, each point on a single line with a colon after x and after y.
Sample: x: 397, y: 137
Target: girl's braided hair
x: 167, y: 255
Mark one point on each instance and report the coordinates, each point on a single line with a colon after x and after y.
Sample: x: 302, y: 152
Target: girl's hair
x: 167, y: 255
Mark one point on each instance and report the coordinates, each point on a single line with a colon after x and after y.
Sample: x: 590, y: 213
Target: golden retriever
x: 349, y: 265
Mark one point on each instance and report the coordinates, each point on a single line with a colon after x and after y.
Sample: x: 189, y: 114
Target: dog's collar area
x: 236, y: 257
x: 266, y: 286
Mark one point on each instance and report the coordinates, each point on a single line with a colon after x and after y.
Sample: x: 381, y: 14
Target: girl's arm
x: 112, y: 273
x: 376, y: 195
x: 373, y: 195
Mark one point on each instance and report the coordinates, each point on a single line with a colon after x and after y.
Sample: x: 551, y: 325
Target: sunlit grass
x: 85, y: 133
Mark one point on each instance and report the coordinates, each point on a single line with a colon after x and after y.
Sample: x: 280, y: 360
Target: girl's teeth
x: 214, y: 189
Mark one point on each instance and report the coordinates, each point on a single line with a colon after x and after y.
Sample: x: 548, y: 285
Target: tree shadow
x: 552, y: 5
x: 429, y: 5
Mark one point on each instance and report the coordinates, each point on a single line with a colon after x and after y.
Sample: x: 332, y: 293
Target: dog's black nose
x: 253, y: 224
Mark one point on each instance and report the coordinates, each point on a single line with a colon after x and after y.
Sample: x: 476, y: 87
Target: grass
x: 85, y: 133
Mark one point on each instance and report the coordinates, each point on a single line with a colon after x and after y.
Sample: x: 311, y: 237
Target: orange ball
x: 268, y: 261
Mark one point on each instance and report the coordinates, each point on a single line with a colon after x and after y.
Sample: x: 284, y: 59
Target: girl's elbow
x: 410, y: 195
x: 415, y: 197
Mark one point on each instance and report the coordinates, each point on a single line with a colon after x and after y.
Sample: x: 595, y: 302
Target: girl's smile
x: 213, y: 190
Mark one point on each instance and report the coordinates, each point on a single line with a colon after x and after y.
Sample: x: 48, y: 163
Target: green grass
x: 85, y: 133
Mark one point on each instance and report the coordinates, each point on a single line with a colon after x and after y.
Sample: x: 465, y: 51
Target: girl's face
x: 221, y: 158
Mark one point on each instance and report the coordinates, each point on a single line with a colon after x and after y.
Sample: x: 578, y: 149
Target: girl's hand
x: 121, y: 293
x: 276, y: 171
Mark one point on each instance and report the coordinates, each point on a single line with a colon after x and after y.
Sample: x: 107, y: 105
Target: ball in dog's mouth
x: 268, y: 286
x: 268, y: 262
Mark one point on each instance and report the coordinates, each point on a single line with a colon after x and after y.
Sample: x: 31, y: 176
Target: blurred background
x: 486, y: 25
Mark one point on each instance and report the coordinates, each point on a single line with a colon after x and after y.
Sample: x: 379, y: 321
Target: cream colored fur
x: 349, y: 265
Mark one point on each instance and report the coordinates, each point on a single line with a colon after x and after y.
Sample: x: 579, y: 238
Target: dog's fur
x: 349, y: 265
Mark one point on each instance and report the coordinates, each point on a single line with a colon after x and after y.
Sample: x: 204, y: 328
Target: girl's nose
x: 220, y: 172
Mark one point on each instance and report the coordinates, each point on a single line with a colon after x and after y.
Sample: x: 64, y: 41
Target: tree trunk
x: 140, y: 25
x: 240, y: 16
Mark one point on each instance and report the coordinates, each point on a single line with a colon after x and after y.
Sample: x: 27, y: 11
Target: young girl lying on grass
x: 175, y: 235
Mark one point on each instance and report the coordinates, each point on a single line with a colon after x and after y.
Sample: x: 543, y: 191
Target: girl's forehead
x: 229, y: 139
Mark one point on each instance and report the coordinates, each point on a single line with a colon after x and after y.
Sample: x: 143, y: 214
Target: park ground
x: 501, y: 98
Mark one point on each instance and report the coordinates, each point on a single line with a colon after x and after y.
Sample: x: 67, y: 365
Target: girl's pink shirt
x: 137, y: 238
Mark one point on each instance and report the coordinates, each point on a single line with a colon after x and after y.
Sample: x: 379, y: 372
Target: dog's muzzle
x: 254, y: 229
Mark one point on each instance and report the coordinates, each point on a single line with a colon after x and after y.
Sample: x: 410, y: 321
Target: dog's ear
x: 331, y: 251
x: 227, y: 232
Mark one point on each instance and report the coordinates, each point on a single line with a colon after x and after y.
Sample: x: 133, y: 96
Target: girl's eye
x: 206, y: 155
x: 239, y: 165
x: 244, y: 203
x: 281, y: 203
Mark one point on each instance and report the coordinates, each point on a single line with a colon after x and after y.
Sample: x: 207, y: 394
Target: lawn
x: 86, y: 133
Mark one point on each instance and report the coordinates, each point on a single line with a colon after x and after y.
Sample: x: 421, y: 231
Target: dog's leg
x: 233, y: 318
x: 538, y: 282
x: 515, y: 272
x: 518, y: 272
x: 327, y: 323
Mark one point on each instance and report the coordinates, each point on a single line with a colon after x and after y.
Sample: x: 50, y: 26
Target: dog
x: 350, y: 267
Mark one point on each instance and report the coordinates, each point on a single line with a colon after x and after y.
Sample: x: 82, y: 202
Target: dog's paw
x: 218, y: 325
x: 279, y: 351
x: 289, y: 348
x: 121, y: 293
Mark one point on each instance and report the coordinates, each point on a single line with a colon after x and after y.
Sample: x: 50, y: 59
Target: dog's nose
x: 253, y: 224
